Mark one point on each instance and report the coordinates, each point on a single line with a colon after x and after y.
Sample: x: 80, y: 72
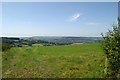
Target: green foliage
x: 111, y: 46
x: 6, y: 46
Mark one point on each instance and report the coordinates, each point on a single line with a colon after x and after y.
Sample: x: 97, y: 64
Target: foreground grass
x: 70, y: 61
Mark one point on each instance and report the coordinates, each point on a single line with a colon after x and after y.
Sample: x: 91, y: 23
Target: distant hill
x: 7, y: 43
x: 50, y: 39
x: 58, y: 39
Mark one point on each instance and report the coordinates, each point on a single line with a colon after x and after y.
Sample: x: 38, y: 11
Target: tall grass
x: 69, y: 61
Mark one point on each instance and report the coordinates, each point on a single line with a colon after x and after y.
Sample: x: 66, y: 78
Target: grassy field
x: 69, y: 61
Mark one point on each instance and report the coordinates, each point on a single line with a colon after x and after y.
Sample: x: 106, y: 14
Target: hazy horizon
x: 87, y: 19
x: 50, y: 36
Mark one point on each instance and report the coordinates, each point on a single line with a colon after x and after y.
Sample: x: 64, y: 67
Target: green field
x: 68, y: 61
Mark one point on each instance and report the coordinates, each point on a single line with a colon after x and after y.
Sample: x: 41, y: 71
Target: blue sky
x: 58, y: 18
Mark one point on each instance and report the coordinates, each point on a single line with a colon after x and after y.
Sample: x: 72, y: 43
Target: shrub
x: 6, y: 46
x: 111, y: 46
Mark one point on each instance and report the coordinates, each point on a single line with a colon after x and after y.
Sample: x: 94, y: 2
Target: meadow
x: 67, y: 61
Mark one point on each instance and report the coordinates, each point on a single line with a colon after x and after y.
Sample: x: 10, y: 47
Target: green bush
x: 6, y: 46
x: 111, y: 46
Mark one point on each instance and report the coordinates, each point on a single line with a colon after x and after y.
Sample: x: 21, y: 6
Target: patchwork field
x: 68, y: 61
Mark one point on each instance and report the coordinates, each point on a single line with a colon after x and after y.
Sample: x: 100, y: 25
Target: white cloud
x: 74, y: 17
x: 93, y: 23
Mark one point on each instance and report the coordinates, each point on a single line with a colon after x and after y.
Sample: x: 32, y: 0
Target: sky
x: 90, y: 19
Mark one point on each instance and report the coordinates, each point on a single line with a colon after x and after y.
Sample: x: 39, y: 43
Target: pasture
x: 68, y: 61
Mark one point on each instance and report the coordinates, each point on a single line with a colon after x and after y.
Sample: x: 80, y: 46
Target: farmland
x: 67, y: 61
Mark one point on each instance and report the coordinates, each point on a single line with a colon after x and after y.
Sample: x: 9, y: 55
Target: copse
x: 111, y: 46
